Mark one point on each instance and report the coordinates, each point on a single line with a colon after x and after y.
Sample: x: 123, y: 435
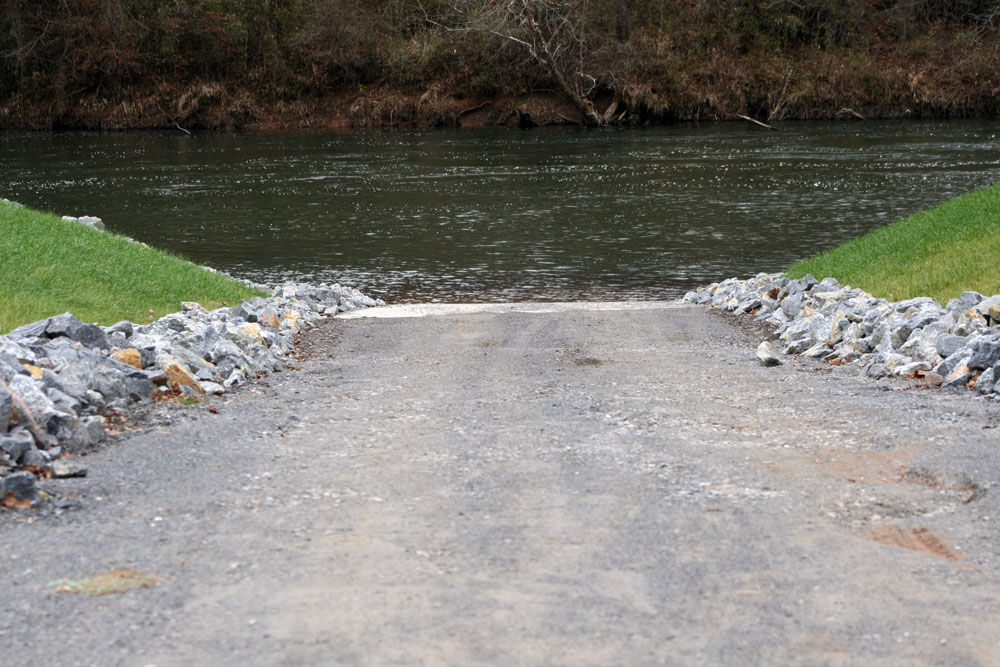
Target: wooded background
x: 139, y: 63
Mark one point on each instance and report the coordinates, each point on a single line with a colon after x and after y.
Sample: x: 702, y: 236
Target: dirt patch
x: 852, y: 465
x: 946, y: 481
x: 914, y: 539
x: 882, y: 467
x: 577, y: 357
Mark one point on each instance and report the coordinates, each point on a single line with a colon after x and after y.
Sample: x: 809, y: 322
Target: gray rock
x: 193, y: 361
x: 35, y: 458
x: 193, y: 308
x: 88, y: 220
x: 41, y: 409
x: 985, y: 353
x: 236, y: 378
x: 28, y: 331
x: 820, y: 327
x: 964, y: 302
x: 768, y: 354
x: 969, y: 322
x: 923, y: 319
x: 699, y: 297
x: 947, y: 365
x: 245, y: 312
x: 908, y: 369
x: 830, y: 282
x: 797, y: 346
x: 801, y: 285
x: 918, y: 302
x: 124, y: 327
x: 65, y: 325
x: 79, y: 378
x: 958, y: 376
x: 63, y: 401
x: 984, y: 306
x: 9, y: 366
x: 117, y: 340
x: 94, y: 399
x: 6, y: 409
x: 175, y: 322
x: 15, y: 445
x: 934, y: 379
x: 213, y: 388
x: 948, y: 344
x: 821, y: 319
x: 83, y: 371
x: 21, y: 485
x: 63, y: 469
x: 86, y: 433
x: 838, y: 326
x: 875, y: 370
x: 819, y: 351
x: 225, y: 349
x: 894, y: 362
x: 986, y: 384
x: 11, y: 349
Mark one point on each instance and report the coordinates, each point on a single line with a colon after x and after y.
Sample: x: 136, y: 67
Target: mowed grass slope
x: 940, y: 252
x: 49, y: 266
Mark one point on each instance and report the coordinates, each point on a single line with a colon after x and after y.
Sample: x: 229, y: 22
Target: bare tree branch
x: 548, y: 30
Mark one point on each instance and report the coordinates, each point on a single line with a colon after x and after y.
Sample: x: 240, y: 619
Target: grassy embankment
x: 939, y: 253
x: 49, y: 266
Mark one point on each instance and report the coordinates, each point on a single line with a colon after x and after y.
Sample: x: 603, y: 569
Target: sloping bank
x: 940, y: 252
x: 60, y: 378
x: 957, y: 345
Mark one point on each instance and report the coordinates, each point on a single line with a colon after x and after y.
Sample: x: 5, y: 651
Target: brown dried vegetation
x: 298, y: 63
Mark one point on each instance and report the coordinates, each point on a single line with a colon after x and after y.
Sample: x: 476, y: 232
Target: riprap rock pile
x: 957, y: 345
x: 59, y: 377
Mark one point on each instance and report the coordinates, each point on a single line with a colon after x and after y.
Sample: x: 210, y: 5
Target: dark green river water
x: 502, y: 214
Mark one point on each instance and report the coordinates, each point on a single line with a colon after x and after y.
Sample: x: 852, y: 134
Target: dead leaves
x: 105, y: 583
x: 10, y: 501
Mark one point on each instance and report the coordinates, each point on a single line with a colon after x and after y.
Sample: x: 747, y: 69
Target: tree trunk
x: 586, y: 108
x: 621, y: 21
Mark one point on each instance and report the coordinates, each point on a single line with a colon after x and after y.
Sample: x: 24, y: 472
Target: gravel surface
x: 566, y: 487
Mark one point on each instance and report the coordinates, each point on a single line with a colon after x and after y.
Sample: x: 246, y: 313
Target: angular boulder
x: 19, y: 490
x: 985, y: 353
x: 177, y: 375
x: 130, y: 356
x: 66, y: 325
x: 6, y: 409
x: 41, y: 410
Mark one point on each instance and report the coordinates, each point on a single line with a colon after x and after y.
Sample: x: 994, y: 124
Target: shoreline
x: 64, y: 384
x: 956, y: 346
x: 391, y: 109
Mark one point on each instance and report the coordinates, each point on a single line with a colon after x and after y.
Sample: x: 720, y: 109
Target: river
x: 504, y: 215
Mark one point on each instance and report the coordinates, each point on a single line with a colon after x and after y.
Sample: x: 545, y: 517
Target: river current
x: 504, y: 215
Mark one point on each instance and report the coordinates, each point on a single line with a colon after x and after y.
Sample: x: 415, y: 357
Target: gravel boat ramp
x: 527, y: 484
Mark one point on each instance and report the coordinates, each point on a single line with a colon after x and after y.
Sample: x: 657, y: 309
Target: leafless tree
x: 552, y: 32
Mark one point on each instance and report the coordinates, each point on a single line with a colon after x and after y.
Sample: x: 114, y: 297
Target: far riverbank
x: 288, y: 64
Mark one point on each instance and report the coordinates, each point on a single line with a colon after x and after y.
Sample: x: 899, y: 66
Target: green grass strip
x: 49, y: 266
x: 940, y: 252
